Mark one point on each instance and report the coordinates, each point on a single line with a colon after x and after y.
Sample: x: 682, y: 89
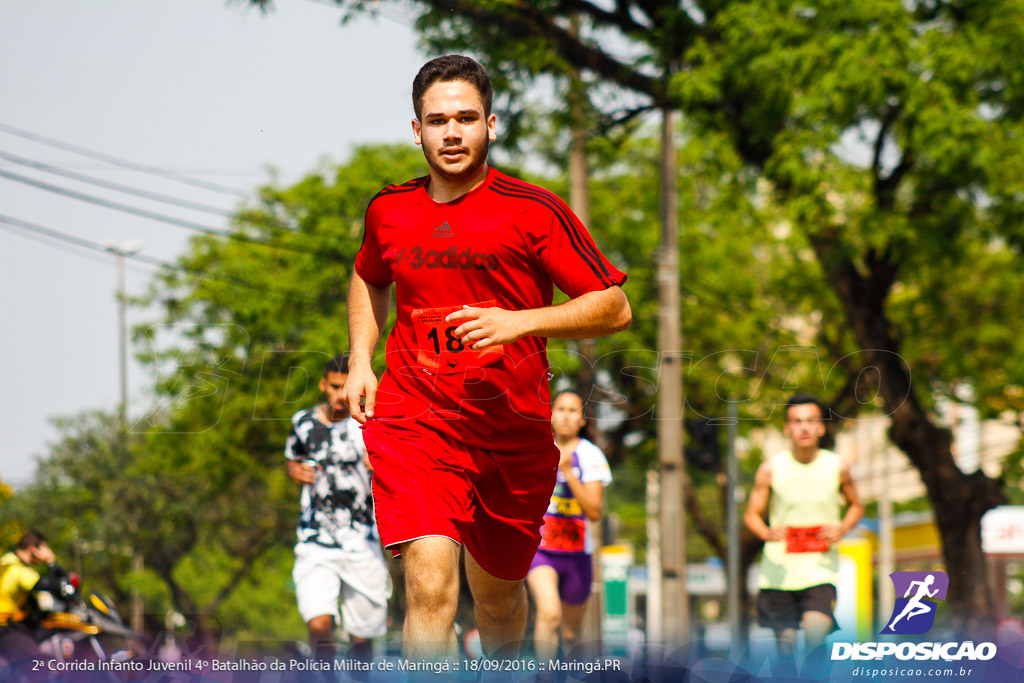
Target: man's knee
x: 786, y: 636
x: 816, y: 626
x: 432, y: 588
x: 503, y: 603
x: 321, y: 624
x: 549, y: 615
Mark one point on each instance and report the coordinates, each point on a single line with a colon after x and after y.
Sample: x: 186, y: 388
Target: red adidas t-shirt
x: 506, y: 242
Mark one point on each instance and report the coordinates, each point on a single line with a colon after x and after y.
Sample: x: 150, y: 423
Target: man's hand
x: 360, y: 392
x: 301, y: 473
x: 775, y: 534
x: 44, y: 554
x: 831, y: 533
x: 488, y: 326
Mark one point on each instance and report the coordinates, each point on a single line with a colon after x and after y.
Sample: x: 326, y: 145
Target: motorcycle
x: 67, y: 625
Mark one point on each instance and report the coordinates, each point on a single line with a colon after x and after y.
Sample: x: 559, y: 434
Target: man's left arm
x: 853, y: 513
x: 593, y: 314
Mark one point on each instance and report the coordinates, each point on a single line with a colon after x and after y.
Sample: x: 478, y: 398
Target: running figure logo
x: 914, y: 613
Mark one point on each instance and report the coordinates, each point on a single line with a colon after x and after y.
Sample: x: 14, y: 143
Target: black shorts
x: 779, y: 610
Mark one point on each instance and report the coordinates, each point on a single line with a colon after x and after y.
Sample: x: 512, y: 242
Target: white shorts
x: 358, y: 576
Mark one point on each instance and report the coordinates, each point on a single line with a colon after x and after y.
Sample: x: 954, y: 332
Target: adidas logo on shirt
x: 444, y: 230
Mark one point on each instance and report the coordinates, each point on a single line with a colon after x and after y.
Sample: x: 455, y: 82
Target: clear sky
x: 217, y: 92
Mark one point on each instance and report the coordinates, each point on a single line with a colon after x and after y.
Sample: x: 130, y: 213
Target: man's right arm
x: 367, y: 314
x: 758, y: 503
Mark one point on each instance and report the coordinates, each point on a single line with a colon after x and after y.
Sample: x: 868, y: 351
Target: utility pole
x: 579, y: 200
x: 676, y: 604
x: 655, y: 611
x: 733, y: 495
x: 120, y: 252
x: 886, y: 555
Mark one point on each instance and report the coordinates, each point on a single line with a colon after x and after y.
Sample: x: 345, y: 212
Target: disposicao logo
x: 914, y: 613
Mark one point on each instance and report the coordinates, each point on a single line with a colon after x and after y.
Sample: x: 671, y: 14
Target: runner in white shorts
x: 338, y: 554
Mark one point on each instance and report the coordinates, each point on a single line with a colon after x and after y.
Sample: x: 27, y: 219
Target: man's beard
x: 468, y: 171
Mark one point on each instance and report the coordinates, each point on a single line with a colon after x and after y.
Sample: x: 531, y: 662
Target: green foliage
x: 10, y: 529
x: 77, y: 499
x: 884, y: 127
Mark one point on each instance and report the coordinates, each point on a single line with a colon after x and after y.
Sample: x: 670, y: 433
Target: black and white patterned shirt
x: 338, y: 506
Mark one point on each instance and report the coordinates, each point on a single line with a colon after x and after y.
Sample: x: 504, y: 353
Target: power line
x: 95, y: 246
x: 152, y: 215
x: 117, y: 161
x: 201, y: 170
x: 117, y: 187
x: 67, y: 248
x: 134, y: 191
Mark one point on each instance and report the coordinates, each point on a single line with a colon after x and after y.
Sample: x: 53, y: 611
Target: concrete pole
x: 120, y: 252
x: 732, y: 514
x: 653, y: 618
x: 886, y: 554
x: 670, y: 404
x: 122, y: 341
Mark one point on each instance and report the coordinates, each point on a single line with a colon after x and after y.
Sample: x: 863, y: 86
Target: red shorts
x: 493, y: 502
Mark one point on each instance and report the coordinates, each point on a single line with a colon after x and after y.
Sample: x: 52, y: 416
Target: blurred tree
x: 10, y: 529
x: 885, y: 129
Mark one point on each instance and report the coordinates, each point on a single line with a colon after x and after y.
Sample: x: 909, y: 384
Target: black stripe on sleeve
x: 586, y: 251
x: 559, y: 207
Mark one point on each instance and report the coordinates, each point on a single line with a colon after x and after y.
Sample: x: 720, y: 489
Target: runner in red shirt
x: 458, y: 431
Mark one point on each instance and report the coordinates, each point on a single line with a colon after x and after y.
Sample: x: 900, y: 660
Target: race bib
x: 440, y: 350
x: 564, y: 534
x: 805, y: 539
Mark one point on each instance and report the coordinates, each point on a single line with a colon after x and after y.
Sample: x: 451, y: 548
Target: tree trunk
x: 958, y: 500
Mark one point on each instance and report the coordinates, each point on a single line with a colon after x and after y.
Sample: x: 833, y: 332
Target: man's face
x: 804, y: 425
x: 453, y: 129
x: 332, y: 385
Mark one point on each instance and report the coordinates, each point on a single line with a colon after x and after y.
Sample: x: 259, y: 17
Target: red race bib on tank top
x: 805, y: 539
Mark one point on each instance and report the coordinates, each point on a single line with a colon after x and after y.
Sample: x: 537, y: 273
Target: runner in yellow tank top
x: 800, y: 567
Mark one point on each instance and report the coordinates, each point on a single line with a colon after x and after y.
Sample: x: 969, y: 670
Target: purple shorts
x: 575, y: 574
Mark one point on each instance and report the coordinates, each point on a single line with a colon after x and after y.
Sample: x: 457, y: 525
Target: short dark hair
x: 31, y: 539
x: 451, y: 68
x: 338, y: 364
x: 805, y: 399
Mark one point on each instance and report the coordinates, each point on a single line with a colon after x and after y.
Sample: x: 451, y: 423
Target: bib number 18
x: 439, y: 350
x: 452, y: 343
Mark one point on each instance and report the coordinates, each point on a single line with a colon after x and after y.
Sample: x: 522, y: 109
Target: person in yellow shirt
x: 18, y: 578
x: 800, y: 567
x: 17, y: 581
